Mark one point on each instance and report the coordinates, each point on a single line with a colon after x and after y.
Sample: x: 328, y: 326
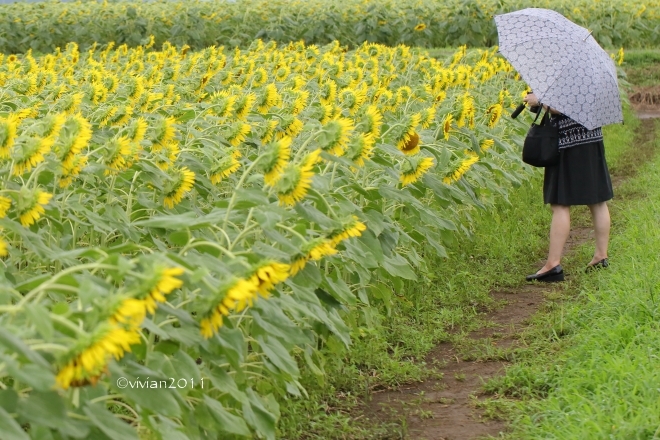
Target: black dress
x: 581, y: 177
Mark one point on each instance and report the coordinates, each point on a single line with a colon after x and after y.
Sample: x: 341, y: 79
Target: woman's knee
x: 560, y: 208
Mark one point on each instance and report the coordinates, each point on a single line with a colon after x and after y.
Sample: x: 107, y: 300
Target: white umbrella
x: 563, y: 64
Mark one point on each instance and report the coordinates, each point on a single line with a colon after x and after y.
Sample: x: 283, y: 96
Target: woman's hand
x: 531, y: 99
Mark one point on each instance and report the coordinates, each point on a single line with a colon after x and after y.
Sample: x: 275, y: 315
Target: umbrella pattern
x: 563, y: 64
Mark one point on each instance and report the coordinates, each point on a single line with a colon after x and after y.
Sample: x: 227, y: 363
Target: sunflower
x: 335, y: 135
x: 137, y: 130
x: 411, y: 145
x: 90, y: 362
x: 463, y: 168
x: 244, y: 105
x: 275, y: 159
x: 267, y: 275
x: 353, y: 228
x: 31, y: 206
x: 237, y: 133
x: 117, y: 158
x: 164, y: 131
x: 360, y: 148
x: 30, y: 153
x: 328, y: 92
x: 323, y: 113
x: 222, y: 103
x: 487, y: 144
x: 53, y: 124
x: 290, y: 126
x: 268, y: 131
x: 407, y: 140
x: 295, y: 180
x: 240, y: 295
x: 371, y: 122
x: 428, y: 117
x: 313, y: 251
x: 5, y: 204
x: 446, y: 125
x: 282, y: 73
x: 105, y: 114
x: 619, y: 56
x: 300, y: 102
x: 3, y: 248
x: 163, y: 282
x: 131, y: 311
x: 494, y: 112
x: 8, y: 127
x: 225, y: 168
x: 76, y: 164
x: 98, y: 93
x: 352, y: 99
x: 403, y: 94
x: 184, y: 183
x: 268, y: 98
x: 414, y: 169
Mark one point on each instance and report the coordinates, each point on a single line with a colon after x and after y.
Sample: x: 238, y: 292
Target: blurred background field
x: 42, y: 26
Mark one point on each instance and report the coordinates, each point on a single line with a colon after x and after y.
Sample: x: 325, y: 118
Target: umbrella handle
x: 518, y: 110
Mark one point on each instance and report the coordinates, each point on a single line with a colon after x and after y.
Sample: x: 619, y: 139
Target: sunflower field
x: 181, y: 232
x: 44, y: 26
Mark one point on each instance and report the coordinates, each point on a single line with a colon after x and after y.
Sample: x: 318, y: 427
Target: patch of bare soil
x: 646, y: 101
x: 445, y: 408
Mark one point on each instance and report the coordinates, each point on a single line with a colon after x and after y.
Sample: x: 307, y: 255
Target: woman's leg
x: 559, y: 230
x: 601, y: 218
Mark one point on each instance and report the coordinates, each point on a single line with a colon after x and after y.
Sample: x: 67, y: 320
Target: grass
x: 642, y: 67
x: 506, y: 243
x: 592, y: 369
x: 504, y: 246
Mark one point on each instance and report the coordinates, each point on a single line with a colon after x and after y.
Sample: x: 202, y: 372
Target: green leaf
x: 339, y: 289
x: 227, y: 421
x: 174, y: 221
x: 10, y: 429
x: 15, y: 344
x: 39, y: 317
x: 375, y: 221
x: 49, y: 407
x: 326, y: 298
x: 258, y: 415
x: 138, y: 389
x: 109, y: 424
x: 278, y: 355
x: 39, y: 378
x: 225, y: 383
x: 248, y: 198
x: 179, y: 238
x: 274, y: 322
x: 398, y: 266
x: 185, y: 366
x: 9, y: 400
x: 60, y: 308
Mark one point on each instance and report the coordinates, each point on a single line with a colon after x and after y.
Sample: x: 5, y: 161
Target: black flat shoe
x: 552, y: 276
x: 602, y: 264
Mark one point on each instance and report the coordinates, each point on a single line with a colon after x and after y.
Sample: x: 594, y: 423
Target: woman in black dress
x: 580, y: 178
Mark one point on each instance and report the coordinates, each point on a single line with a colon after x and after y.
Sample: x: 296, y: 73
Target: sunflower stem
x: 304, y: 145
x: 238, y: 186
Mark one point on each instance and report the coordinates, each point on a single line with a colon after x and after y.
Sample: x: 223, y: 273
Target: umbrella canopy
x: 563, y: 64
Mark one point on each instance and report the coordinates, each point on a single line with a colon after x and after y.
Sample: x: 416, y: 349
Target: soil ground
x: 447, y: 407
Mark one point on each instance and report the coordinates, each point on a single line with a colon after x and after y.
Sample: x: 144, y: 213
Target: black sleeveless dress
x: 581, y: 177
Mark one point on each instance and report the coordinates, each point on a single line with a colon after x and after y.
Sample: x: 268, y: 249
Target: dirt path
x: 447, y: 408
